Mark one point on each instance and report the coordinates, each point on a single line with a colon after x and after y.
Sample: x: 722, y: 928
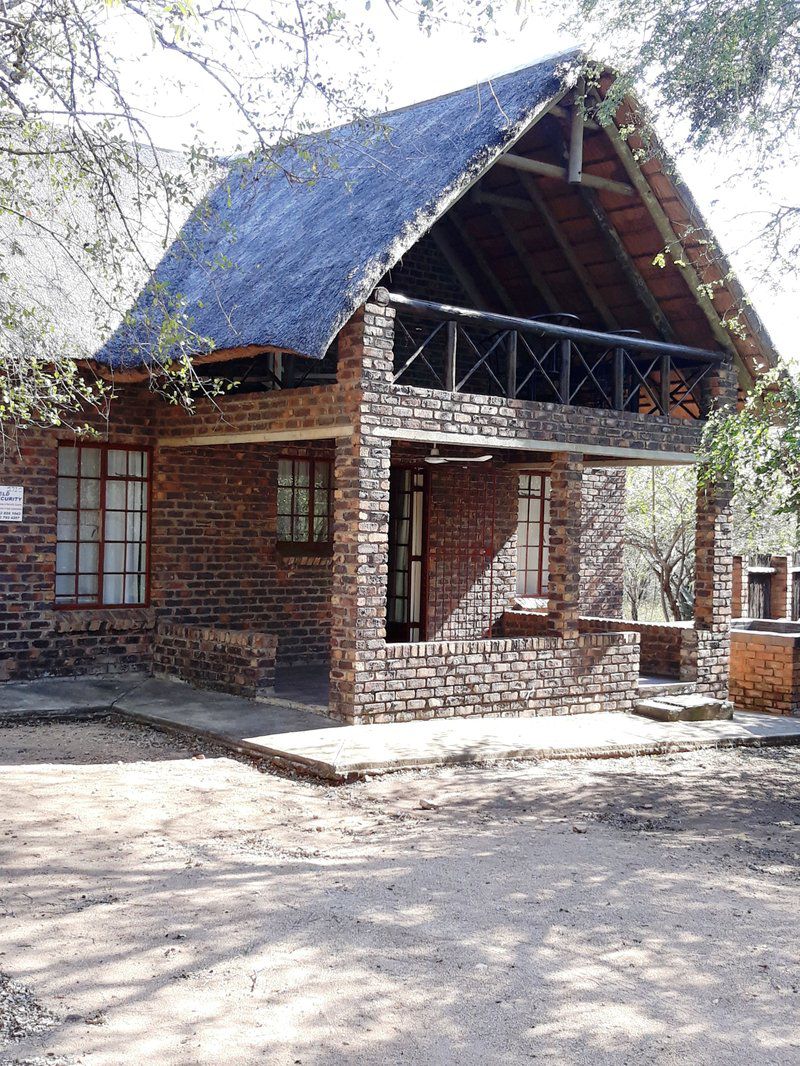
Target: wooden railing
x: 460, y: 350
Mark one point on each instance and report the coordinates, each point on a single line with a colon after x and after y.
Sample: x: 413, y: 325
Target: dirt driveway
x: 157, y: 907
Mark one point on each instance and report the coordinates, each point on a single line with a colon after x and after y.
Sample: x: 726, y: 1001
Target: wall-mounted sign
x: 11, y: 498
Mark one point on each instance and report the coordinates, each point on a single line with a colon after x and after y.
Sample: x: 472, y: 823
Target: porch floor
x: 299, y: 738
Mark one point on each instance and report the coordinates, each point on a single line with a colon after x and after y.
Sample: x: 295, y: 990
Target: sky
x: 407, y: 65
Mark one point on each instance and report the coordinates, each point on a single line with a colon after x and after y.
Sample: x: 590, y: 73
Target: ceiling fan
x: 436, y: 459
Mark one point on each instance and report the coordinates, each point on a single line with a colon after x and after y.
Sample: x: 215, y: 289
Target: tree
x: 727, y: 73
x: 83, y: 183
x: 659, y: 542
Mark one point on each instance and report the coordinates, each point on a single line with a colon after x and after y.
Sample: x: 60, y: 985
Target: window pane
x: 88, y: 557
x: 66, y: 554
x: 87, y: 585
x: 284, y: 527
x: 301, y: 527
x: 114, y: 558
x: 134, y: 588
x: 302, y: 470
x: 117, y: 463
x: 65, y: 587
x: 89, y: 528
x: 115, y: 525
x: 135, y: 556
x: 322, y: 474
x: 67, y: 525
x: 285, y: 472
x: 321, y: 529
x: 68, y: 460
x: 301, y: 501
x: 67, y: 492
x: 90, y: 492
x: 90, y: 462
x: 284, y: 501
x: 113, y: 587
x: 115, y: 495
x: 137, y: 464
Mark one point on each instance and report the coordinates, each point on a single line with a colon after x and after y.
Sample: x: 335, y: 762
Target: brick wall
x: 602, y: 537
x: 227, y: 660
x: 36, y: 639
x: 215, y: 559
x: 525, y: 676
x: 765, y: 671
x: 472, y: 558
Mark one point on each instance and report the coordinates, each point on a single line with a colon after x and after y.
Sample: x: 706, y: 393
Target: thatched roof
x: 282, y: 257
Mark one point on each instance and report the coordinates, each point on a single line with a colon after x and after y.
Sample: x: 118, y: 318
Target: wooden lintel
x: 258, y: 436
x: 550, y: 170
x: 575, y: 264
x: 527, y: 444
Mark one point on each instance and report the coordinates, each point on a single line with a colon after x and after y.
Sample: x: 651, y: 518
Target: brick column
x: 564, y: 581
x: 360, y: 515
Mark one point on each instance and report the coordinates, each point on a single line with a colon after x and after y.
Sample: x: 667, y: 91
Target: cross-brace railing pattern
x: 459, y: 350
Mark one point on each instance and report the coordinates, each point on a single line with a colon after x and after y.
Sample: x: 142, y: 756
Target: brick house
x: 447, y: 348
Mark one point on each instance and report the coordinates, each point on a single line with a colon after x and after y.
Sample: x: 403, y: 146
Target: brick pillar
x: 360, y: 515
x: 780, y: 595
x: 564, y: 581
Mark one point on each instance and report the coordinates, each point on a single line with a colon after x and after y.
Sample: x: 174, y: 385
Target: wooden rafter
x: 575, y: 264
x: 550, y: 170
x: 464, y: 277
x: 480, y: 260
x: 523, y: 255
x: 670, y: 238
x: 627, y: 265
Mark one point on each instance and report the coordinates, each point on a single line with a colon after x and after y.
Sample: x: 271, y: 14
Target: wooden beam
x: 565, y: 113
x: 627, y: 265
x: 576, y: 266
x: 257, y: 436
x: 528, y: 444
x: 550, y: 170
x: 534, y: 276
x: 670, y: 238
x: 464, y: 277
x: 575, y: 163
x: 493, y: 199
x: 482, y: 264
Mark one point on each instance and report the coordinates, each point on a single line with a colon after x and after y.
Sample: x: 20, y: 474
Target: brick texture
x: 765, y: 671
x: 228, y: 660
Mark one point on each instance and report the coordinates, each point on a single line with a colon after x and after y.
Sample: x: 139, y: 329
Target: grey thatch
x: 283, y: 261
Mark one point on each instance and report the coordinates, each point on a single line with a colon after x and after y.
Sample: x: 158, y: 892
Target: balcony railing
x: 460, y: 350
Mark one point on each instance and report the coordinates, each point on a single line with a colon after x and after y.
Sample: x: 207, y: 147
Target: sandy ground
x: 163, y: 908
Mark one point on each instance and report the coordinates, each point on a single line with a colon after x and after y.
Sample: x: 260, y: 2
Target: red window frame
x: 531, y: 551
x: 89, y: 601
x: 307, y: 510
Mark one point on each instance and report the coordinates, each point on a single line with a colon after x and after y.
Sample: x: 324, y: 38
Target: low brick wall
x: 659, y: 642
x: 513, y: 677
x: 229, y: 660
x: 765, y: 671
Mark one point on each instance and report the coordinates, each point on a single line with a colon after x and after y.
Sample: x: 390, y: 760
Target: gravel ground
x: 163, y: 903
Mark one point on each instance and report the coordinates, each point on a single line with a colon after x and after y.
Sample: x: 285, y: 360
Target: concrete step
x: 690, y: 707
x: 651, y: 686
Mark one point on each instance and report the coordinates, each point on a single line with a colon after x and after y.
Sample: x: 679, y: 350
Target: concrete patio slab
x: 297, y: 737
x: 51, y: 697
